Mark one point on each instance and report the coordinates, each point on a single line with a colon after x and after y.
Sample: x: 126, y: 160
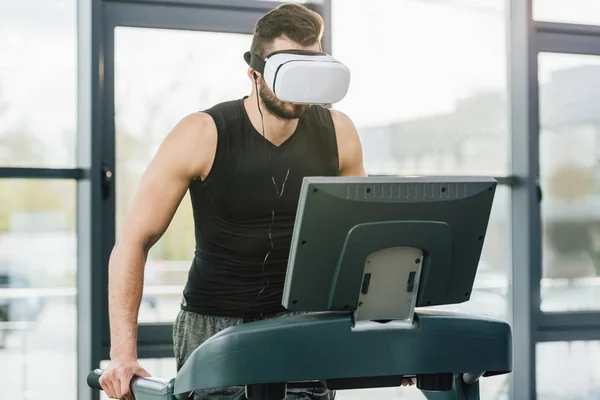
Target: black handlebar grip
x: 93, y: 379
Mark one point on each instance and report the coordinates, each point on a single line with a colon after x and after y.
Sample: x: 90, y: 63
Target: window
x: 38, y: 83
x: 428, y: 92
x: 572, y: 11
x: 161, y: 76
x: 38, y: 315
x: 570, y: 179
x: 578, y: 359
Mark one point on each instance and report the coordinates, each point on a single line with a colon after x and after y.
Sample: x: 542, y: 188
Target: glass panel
x: 164, y: 368
x: 572, y: 11
x: 152, y: 65
x: 38, y: 315
x: 428, y: 98
x: 38, y: 78
x: 568, y: 370
x: 570, y: 179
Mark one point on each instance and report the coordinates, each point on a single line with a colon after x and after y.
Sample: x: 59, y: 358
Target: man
x: 243, y: 162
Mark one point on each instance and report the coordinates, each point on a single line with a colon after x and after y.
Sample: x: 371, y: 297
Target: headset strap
x: 255, y: 62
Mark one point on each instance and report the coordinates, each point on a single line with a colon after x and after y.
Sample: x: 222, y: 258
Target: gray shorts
x: 190, y: 330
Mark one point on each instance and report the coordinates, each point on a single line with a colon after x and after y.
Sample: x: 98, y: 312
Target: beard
x: 280, y: 109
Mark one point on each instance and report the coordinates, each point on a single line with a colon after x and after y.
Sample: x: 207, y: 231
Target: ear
x: 253, y: 74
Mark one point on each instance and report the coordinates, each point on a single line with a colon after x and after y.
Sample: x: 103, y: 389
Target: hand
x: 116, y: 379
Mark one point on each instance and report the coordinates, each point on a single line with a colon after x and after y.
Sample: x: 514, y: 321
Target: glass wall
x: 581, y: 362
x: 568, y: 74
x: 38, y: 78
x: 428, y: 92
x: 570, y: 176
x: 38, y: 266
x: 573, y: 11
x: 38, y: 242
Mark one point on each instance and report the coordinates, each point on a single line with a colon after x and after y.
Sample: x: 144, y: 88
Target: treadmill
x: 369, y: 257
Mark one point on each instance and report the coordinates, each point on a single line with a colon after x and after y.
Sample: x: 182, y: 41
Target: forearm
x: 126, y: 282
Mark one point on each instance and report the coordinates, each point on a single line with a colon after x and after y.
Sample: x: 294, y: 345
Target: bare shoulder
x: 344, y: 126
x: 345, y: 131
x: 192, y: 144
x: 195, y: 129
x: 349, y: 145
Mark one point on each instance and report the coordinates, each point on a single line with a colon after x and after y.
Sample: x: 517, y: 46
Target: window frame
x: 527, y: 39
x: 551, y: 37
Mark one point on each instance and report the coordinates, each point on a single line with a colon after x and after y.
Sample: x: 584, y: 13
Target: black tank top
x: 235, y: 205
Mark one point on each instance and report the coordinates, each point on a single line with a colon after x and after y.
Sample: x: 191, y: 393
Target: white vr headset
x: 302, y: 77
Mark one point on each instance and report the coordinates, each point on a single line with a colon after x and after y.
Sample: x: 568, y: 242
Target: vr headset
x: 302, y: 77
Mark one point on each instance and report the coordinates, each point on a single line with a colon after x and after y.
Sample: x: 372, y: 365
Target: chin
x: 281, y: 109
x: 296, y: 109
x: 287, y: 110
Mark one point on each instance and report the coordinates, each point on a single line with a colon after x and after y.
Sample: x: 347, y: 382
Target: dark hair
x: 294, y: 21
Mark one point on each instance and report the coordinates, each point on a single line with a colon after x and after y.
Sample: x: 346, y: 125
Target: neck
x: 277, y: 130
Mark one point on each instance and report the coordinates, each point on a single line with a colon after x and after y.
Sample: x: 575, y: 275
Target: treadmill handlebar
x: 93, y: 379
x: 153, y: 387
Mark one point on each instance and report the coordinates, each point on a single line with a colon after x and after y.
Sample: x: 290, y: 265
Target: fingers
x: 125, y: 380
x: 407, y: 382
x: 115, y: 390
x: 107, y: 386
x: 115, y: 383
x: 116, y: 379
x: 111, y: 385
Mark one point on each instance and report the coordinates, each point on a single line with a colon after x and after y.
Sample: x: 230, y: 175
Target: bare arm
x: 349, y: 147
x: 187, y: 152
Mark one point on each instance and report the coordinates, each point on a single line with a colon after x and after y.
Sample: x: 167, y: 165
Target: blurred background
x: 504, y: 88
